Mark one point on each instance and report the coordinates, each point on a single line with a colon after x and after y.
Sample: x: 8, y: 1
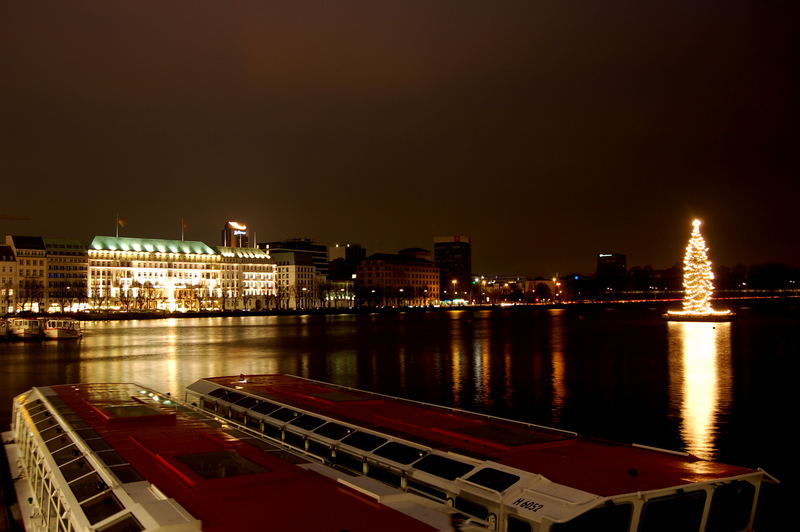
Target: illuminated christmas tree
x: 697, y: 275
x: 698, y: 282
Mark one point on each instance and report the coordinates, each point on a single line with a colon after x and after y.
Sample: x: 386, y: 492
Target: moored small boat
x: 62, y: 328
x: 26, y: 328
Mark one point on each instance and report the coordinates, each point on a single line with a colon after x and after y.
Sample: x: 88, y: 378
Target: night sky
x: 547, y: 131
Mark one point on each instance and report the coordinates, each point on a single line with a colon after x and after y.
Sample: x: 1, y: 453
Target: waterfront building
x: 67, y: 268
x: 453, y: 256
x: 31, y: 278
x: 297, y: 282
x: 8, y: 280
x: 247, y: 279
x: 385, y: 279
x: 153, y: 274
x: 235, y: 235
x: 318, y: 252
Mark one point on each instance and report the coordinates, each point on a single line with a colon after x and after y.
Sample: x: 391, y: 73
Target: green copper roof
x: 246, y: 253
x: 123, y: 243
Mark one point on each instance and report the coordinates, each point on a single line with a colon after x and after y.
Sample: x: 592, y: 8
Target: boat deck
x: 595, y: 466
x: 224, y: 478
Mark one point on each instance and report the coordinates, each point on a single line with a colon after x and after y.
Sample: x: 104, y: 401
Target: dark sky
x: 547, y: 131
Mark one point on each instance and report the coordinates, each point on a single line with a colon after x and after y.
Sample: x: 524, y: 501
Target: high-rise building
x: 453, y: 256
x: 611, y: 271
x: 317, y: 251
x: 235, y: 235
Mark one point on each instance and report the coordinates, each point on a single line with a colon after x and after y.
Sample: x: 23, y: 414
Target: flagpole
x: 181, y: 229
x: 117, y: 226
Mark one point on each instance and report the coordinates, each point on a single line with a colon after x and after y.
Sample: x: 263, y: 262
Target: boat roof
x: 596, y: 466
x: 221, y: 476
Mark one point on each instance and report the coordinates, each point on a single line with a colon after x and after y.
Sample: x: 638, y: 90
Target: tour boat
x: 26, y: 328
x: 281, y: 452
x: 62, y: 328
x: 120, y: 457
x: 501, y: 474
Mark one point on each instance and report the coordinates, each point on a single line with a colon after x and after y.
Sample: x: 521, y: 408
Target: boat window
x: 111, y: 458
x: 219, y: 392
x: 293, y: 439
x: 233, y: 397
x: 101, y: 507
x: 494, y: 479
x: 46, y: 422
x: 51, y: 432
x: 440, y: 466
x: 75, y: 469
x: 128, y: 523
x: 57, y: 443
x: 41, y: 415
x: 385, y: 476
x: 265, y: 408
x: 363, y: 440
x: 221, y: 464
x: 98, y: 444
x: 611, y: 517
x: 87, y: 486
x: 333, y: 431
x: 424, y: 489
x: 284, y: 414
x: 271, y: 430
x: 399, y: 452
x: 247, y: 402
x: 515, y: 524
x: 87, y: 434
x: 473, y: 508
x: 66, y: 454
x: 205, y: 404
x: 319, y: 449
x: 349, y: 462
x: 731, y: 506
x: 682, y: 511
x: 307, y: 422
x: 126, y: 473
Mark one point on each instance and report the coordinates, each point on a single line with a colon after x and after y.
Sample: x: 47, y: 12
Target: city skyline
x: 548, y: 134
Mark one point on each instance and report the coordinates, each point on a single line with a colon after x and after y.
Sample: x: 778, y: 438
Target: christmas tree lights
x: 698, y: 281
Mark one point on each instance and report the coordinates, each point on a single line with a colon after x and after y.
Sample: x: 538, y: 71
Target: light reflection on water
x: 700, y: 381
x: 559, y: 372
x: 623, y: 375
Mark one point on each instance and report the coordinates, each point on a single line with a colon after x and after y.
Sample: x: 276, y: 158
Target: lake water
x: 722, y: 391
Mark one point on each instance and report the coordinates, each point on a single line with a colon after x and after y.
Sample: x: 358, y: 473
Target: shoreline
x: 671, y: 304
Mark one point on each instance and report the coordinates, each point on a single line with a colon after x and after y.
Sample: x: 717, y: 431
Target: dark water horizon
x: 721, y: 391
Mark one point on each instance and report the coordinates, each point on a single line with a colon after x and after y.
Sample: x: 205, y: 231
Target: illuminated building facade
x: 152, y: 274
x: 67, y: 267
x: 247, y: 279
x: 31, y: 279
x: 8, y: 280
x: 235, y: 235
x: 297, y: 281
x: 384, y: 279
x: 453, y: 256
